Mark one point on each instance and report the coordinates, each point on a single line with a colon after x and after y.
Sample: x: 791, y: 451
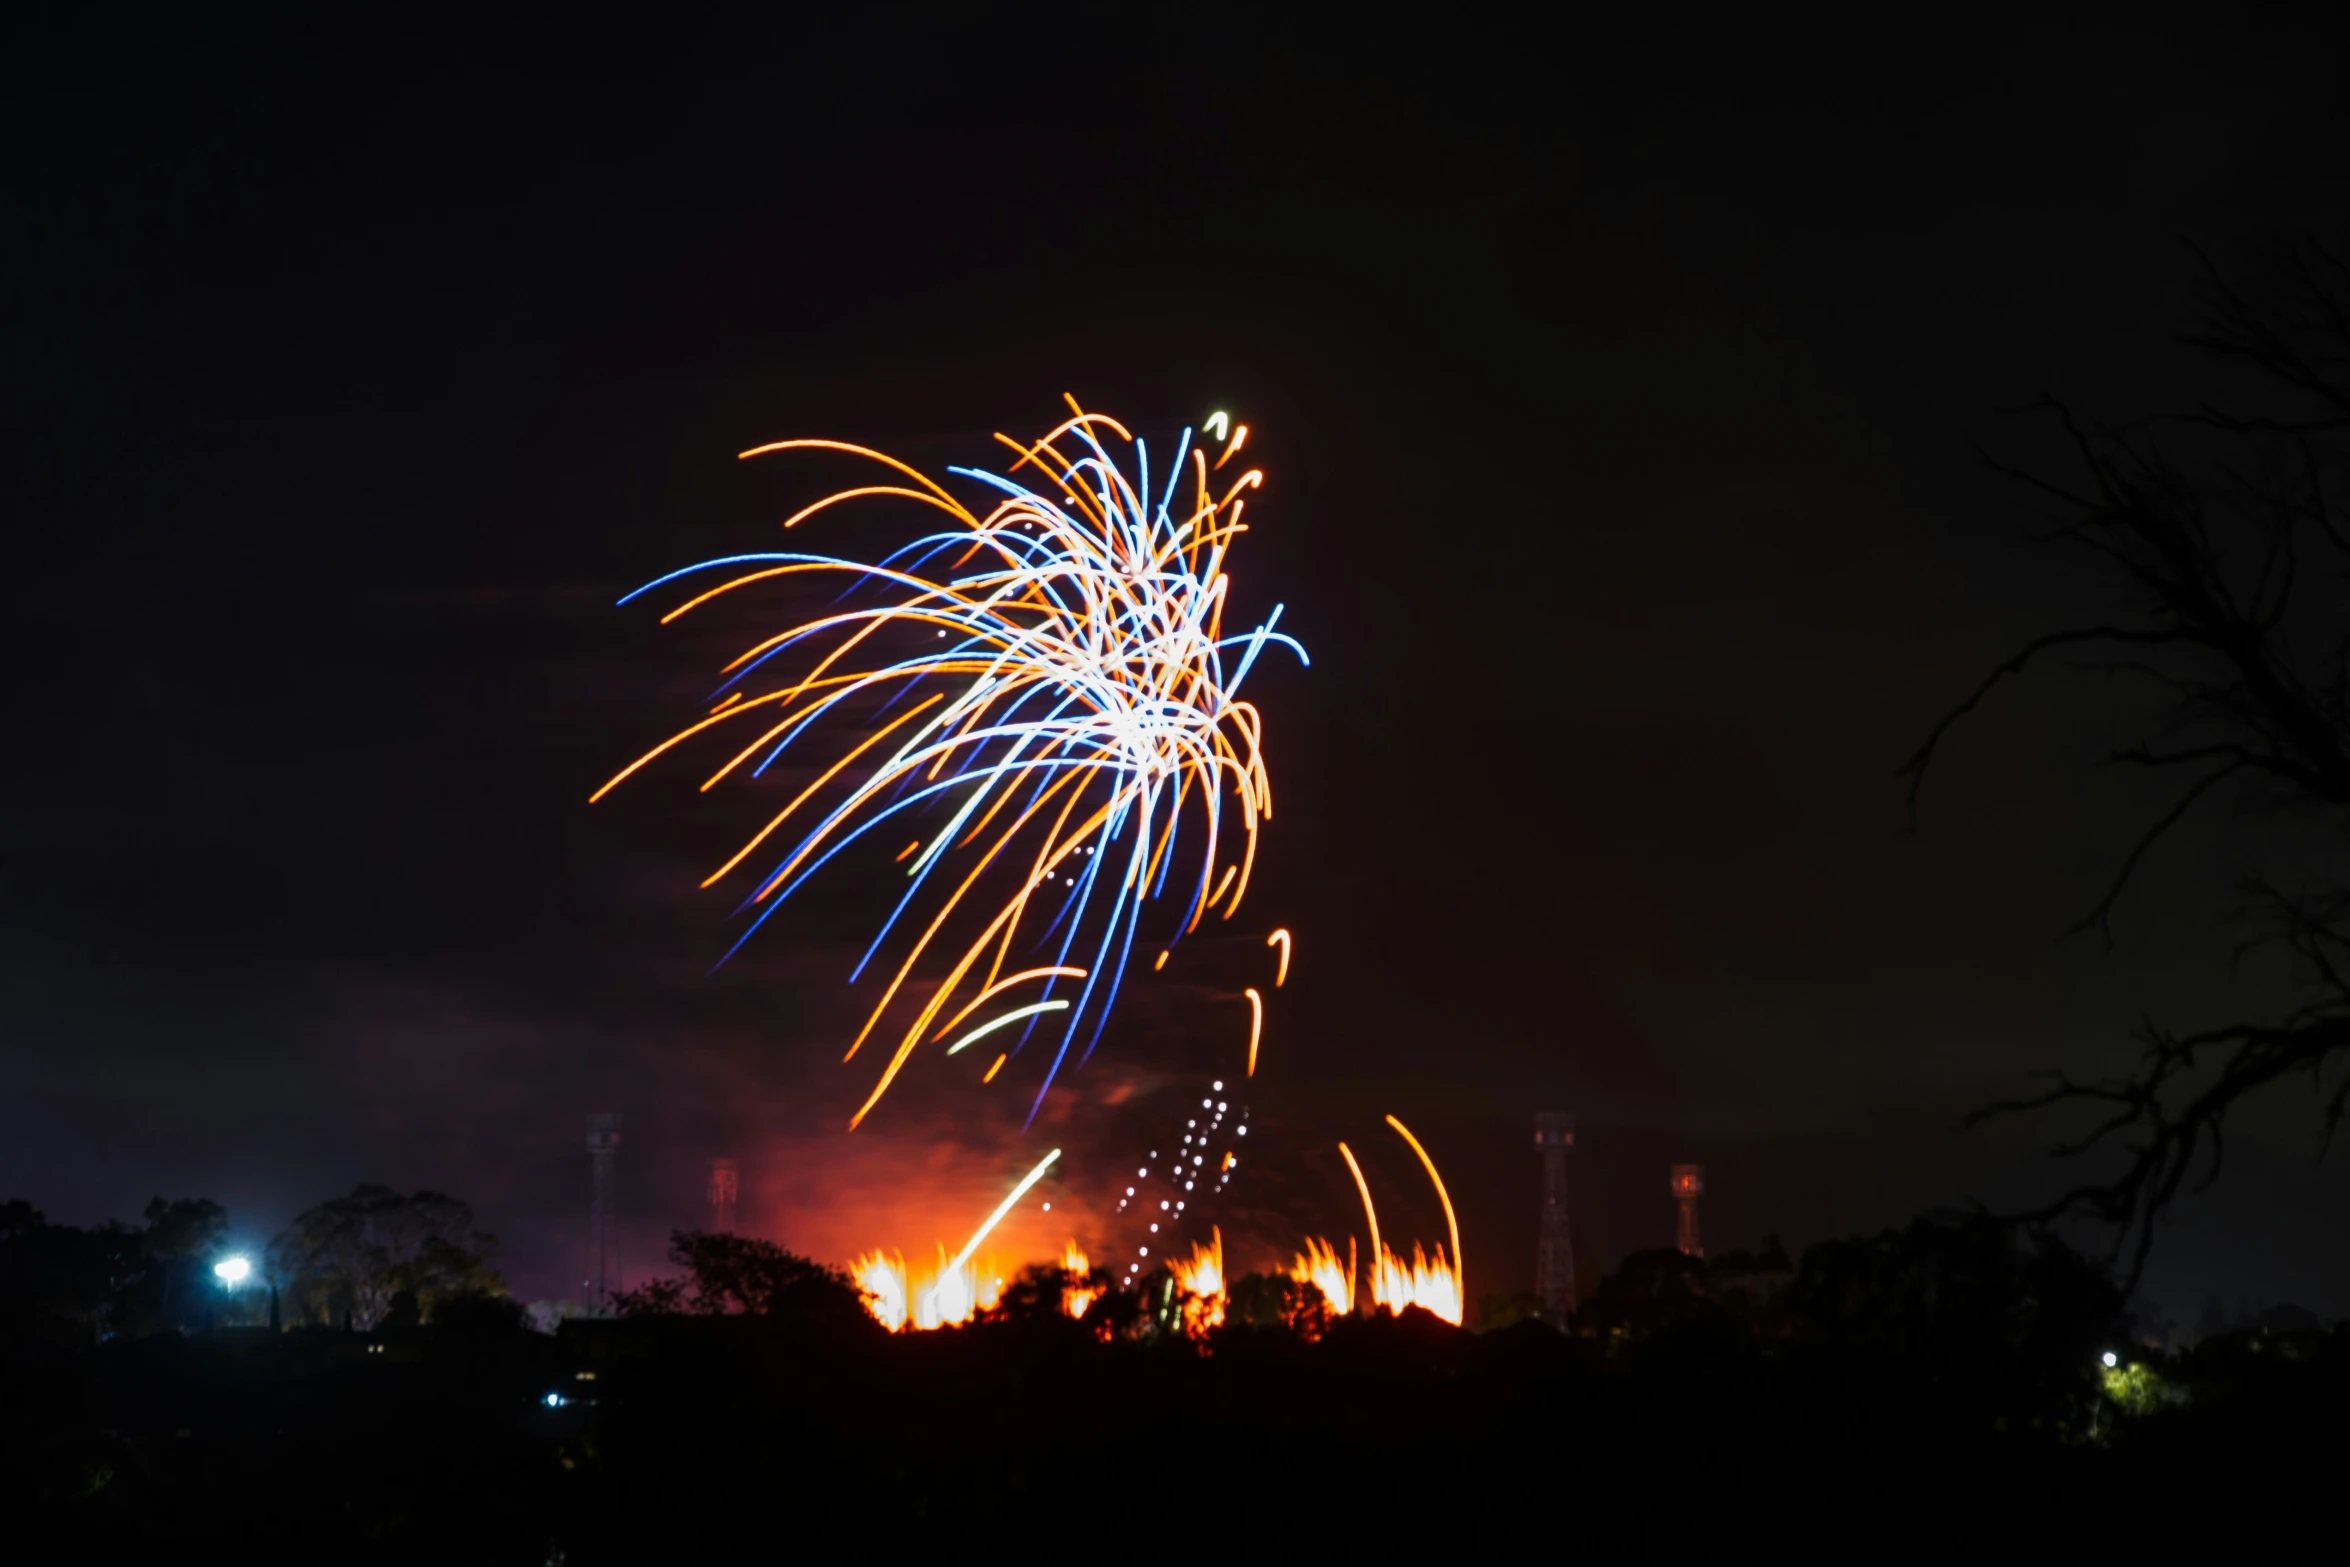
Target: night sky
x: 1614, y: 382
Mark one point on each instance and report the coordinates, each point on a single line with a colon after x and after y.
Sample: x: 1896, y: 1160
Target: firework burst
x: 1059, y: 660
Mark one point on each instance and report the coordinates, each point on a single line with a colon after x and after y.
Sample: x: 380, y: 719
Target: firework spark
x: 1078, y: 703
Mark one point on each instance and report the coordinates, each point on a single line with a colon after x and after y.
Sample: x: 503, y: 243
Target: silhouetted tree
x: 478, y: 1314
x: 1972, y: 1312
x: 2225, y: 535
x: 1498, y: 1312
x: 343, y: 1261
x: 81, y: 1286
x: 1649, y: 1292
x: 729, y: 1275
x: 167, y: 1286
x: 1277, y: 1302
x: 57, y: 1283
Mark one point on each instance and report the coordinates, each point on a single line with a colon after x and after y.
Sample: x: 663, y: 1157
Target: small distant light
x: 553, y: 1401
x: 1219, y: 1088
x: 1154, y: 1229
x: 1204, y: 1103
x: 232, y: 1270
x: 2111, y: 1359
x: 1048, y: 1207
x: 1219, y: 1107
x: 1144, y: 1250
x: 1144, y: 1171
x: 1162, y: 1202
x: 1243, y: 1132
x: 1129, y: 1191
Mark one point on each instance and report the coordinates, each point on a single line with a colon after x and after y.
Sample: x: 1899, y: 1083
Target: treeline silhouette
x: 1940, y: 1384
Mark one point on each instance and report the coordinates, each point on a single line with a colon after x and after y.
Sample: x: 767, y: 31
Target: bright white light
x: 1219, y: 1088
x: 232, y: 1270
x: 2111, y: 1359
x: 553, y: 1401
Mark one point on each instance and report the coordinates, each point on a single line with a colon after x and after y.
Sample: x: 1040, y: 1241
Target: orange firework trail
x: 1434, y: 1286
x: 1078, y: 703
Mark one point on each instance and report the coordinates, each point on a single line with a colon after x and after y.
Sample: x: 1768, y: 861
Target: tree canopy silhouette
x: 741, y: 1275
x: 346, y: 1259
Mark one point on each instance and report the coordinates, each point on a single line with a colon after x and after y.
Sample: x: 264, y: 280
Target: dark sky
x: 1614, y: 380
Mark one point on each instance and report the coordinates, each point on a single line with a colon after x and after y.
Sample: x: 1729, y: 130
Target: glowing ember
x: 1076, y: 1269
x: 951, y: 1297
x: 1434, y: 1287
x: 1318, y: 1265
x: 881, y: 1278
x: 1200, y: 1283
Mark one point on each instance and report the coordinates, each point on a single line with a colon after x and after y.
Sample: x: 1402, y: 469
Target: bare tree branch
x: 2200, y: 518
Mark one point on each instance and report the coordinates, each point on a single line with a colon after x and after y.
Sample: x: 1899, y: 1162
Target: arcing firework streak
x: 1081, y: 647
